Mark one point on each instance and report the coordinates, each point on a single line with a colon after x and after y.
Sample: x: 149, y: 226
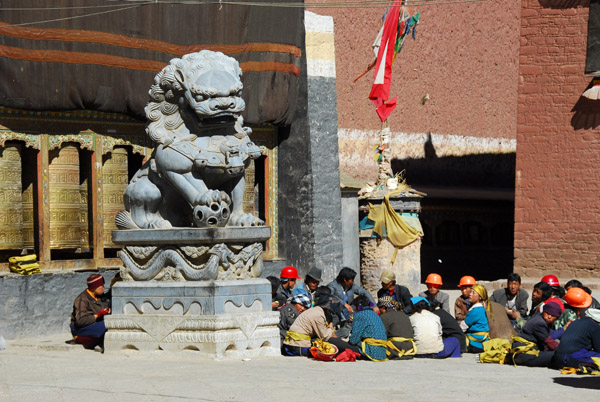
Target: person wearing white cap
x: 399, y: 293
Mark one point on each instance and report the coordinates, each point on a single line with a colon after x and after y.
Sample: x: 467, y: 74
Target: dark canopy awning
x: 106, y: 58
x: 592, y: 62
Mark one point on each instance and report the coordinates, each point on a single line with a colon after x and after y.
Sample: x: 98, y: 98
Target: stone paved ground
x: 48, y: 370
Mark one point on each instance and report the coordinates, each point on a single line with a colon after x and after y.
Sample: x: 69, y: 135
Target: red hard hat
x: 557, y: 301
x: 289, y: 273
x: 467, y: 281
x: 551, y: 280
x: 434, y: 279
x: 578, y: 298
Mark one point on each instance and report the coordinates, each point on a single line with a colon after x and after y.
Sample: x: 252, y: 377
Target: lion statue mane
x: 195, y: 176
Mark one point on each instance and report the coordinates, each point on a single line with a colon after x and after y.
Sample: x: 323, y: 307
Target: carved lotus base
x: 221, y: 319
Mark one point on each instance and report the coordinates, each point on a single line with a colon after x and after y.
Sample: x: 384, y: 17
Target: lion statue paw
x: 246, y: 220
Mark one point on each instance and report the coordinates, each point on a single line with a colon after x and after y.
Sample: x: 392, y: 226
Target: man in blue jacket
x: 344, y: 290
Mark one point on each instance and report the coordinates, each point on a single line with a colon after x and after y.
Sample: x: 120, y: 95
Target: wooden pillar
x: 43, y: 199
x: 96, y: 199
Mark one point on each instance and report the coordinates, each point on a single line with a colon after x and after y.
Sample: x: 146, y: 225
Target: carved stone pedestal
x: 218, y: 319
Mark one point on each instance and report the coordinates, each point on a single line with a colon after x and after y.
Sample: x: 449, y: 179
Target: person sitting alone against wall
x: 89, y: 309
x: 513, y: 298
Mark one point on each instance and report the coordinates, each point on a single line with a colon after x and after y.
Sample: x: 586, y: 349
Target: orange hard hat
x: 434, y: 279
x: 578, y: 298
x: 466, y: 281
x: 289, y: 273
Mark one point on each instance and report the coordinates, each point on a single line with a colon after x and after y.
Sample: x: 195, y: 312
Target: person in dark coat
x: 580, y: 342
x: 288, y: 314
x: 450, y: 327
x: 397, y: 292
x: 537, y: 330
x: 541, y: 292
x: 87, y: 318
x: 344, y: 290
x: 513, y: 298
x: 310, y: 285
x: 397, y: 325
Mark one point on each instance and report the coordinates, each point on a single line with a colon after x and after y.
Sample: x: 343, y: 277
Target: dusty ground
x: 49, y: 370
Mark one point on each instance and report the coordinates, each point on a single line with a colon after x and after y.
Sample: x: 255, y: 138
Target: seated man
x: 399, y: 293
x: 537, y: 330
x: 288, y: 314
x: 344, y: 290
x: 310, y: 285
x: 87, y: 319
x: 433, y: 292
x: 580, y: 342
x: 461, y: 305
x: 287, y: 282
x: 513, y: 297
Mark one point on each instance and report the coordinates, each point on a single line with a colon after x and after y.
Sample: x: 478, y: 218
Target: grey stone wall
x: 327, y: 203
x: 37, y: 305
x: 309, y: 183
x: 351, y: 257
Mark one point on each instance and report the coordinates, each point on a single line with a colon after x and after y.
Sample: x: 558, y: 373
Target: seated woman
x: 397, y: 326
x: 475, y: 325
x: 368, y: 335
x: 89, y: 309
x: 428, y: 332
x: 537, y: 330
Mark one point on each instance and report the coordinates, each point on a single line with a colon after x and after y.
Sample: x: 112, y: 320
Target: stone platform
x: 219, y: 319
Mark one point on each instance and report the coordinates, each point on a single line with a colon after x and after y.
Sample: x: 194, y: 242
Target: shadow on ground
x: 592, y: 382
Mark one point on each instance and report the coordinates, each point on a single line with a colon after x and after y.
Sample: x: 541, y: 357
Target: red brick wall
x: 557, y: 200
x: 465, y: 57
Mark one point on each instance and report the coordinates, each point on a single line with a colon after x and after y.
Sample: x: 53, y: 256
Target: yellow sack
x: 24, y: 265
x: 495, y: 350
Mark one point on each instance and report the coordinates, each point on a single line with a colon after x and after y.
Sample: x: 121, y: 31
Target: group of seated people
x: 562, y: 328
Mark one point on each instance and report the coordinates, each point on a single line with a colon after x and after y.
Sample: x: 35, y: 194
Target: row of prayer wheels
x: 68, y: 196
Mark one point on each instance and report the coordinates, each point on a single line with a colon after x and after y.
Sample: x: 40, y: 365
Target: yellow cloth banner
x: 398, y: 231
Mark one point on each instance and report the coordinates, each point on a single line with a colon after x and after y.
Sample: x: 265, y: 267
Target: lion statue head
x: 207, y: 84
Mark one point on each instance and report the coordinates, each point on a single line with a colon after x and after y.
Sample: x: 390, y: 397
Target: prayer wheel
x: 11, y: 201
x: 29, y: 177
x: 115, y: 178
x: 28, y: 232
x: 65, y: 199
x: 84, y: 222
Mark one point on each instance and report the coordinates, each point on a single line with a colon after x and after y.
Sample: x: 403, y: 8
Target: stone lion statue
x: 195, y: 176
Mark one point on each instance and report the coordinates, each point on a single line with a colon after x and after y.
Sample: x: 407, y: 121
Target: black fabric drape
x: 592, y: 61
x: 107, y: 62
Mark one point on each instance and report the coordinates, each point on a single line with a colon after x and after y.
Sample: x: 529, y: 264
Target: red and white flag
x: 380, y: 91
